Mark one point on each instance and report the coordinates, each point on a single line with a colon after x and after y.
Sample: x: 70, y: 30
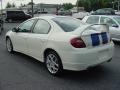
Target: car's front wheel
x: 0, y: 30
x: 9, y: 20
x: 53, y: 63
x: 9, y: 45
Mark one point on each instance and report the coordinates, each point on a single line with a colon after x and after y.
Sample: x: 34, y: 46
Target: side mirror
x: 15, y: 29
x: 115, y: 25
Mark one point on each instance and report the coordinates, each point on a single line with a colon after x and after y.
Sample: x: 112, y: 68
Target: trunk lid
x: 94, y: 35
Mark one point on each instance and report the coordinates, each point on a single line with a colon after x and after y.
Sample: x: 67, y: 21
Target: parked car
x: 64, y: 13
x: 80, y: 15
x: 41, y: 12
x: 112, y: 21
x: 117, y: 12
x: 16, y: 15
x: 104, y: 11
x: 61, y: 42
x: 1, y: 24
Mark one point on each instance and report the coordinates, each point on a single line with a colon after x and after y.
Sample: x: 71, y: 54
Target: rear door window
x: 20, y: 13
x: 106, y: 20
x: 41, y: 27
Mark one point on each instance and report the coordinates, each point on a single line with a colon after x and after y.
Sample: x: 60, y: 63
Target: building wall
x: 49, y: 8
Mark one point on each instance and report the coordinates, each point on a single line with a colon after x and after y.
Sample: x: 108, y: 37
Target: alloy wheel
x: 9, y: 45
x: 52, y: 63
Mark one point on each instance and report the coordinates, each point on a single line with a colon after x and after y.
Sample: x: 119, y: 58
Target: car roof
x: 111, y: 16
x: 48, y: 17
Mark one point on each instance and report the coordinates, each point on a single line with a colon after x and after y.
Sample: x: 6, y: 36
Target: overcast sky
x: 18, y: 2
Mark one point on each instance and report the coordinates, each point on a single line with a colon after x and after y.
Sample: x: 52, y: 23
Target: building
x: 38, y: 8
x: 77, y: 9
x: 42, y: 8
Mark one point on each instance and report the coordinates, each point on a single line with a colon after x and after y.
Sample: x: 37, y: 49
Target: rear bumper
x: 116, y: 39
x: 85, y: 58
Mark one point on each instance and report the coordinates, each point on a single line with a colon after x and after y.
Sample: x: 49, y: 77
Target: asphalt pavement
x: 21, y: 72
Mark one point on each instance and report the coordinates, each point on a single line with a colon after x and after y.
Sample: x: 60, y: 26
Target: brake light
x: 77, y: 43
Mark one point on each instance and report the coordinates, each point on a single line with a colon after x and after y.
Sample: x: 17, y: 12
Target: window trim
x: 35, y: 25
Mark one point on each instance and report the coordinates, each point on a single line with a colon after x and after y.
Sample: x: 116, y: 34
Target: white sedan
x: 61, y: 43
x: 112, y: 20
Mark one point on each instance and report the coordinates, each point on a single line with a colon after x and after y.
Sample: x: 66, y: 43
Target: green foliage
x: 67, y: 6
x: 22, y: 5
x: 30, y: 3
x: 8, y: 5
x: 13, y: 5
x: 95, y: 4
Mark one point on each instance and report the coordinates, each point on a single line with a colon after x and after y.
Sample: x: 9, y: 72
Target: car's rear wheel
x: 9, y: 20
x: 0, y: 30
x: 9, y: 45
x: 53, y: 63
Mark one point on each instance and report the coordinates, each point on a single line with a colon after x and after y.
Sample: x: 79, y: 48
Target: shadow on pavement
x: 95, y: 73
x: 116, y: 42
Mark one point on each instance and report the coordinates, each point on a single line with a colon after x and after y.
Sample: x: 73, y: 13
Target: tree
x: 8, y: 5
x: 85, y: 3
x: 13, y: 5
x: 30, y: 3
x: 95, y: 4
x: 24, y: 5
x: 21, y: 5
x: 67, y: 6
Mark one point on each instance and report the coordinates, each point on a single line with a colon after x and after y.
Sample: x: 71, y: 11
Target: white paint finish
x: 72, y: 58
x: 17, y: 39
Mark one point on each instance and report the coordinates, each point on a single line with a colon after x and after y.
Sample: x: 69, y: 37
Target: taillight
x: 77, y: 43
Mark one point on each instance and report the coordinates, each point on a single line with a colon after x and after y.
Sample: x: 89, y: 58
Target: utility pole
x: 113, y: 4
x: 77, y: 5
x: 118, y: 5
x: 118, y: 1
x: 1, y: 9
x: 32, y: 8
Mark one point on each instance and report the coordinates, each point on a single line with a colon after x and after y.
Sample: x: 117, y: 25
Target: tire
x: 0, y: 31
x: 9, y: 45
x: 9, y: 20
x: 53, y: 63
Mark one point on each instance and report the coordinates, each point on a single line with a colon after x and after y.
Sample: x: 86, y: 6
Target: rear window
x: 15, y: 12
x: 68, y: 24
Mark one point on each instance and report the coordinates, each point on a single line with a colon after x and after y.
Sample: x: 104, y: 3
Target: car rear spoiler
x: 96, y: 27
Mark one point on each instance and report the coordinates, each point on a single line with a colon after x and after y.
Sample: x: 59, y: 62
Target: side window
x: 26, y: 27
x: 93, y: 20
x: 20, y: 13
x: 100, y: 11
x: 106, y: 20
x: 41, y: 27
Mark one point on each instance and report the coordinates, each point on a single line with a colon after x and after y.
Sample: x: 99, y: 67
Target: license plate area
x: 103, y: 54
